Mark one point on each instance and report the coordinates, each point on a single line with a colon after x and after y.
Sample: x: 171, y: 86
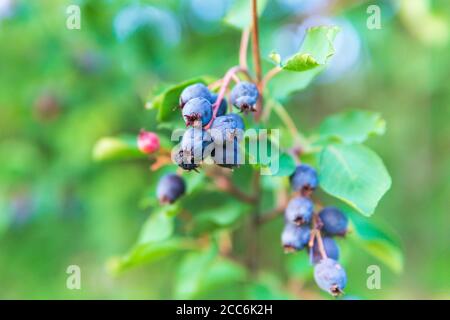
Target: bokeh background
x: 61, y: 90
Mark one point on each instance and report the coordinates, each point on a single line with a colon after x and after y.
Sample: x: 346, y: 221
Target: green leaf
x: 191, y: 272
x: 160, y: 225
x: 355, y: 174
x: 239, y: 15
x: 117, y: 148
x: 286, y: 166
x: 168, y: 100
x: 301, y: 68
x: 300, y: 62
x: 219, y: 217
x: 354, y: 126
x: 149, y: 253
x: 376, y: 241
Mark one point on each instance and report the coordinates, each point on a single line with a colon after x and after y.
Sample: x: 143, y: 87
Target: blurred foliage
x: 63, y: 90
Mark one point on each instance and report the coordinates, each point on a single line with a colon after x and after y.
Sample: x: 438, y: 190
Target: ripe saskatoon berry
x: 334, y: 221
x: 223, y: 105
x: 294, y: 238
x: 330, y: 276
x: 331, y: 249
x: 197, y: 112
x: 228, y: 154
x: 299, y: 211
x: 226, y: 128
x: 170, y: 188
x: 148, y: 142
x: 197, y: 90
x: 244, y: 96
x: 304, y: 179
x: 194, y: 143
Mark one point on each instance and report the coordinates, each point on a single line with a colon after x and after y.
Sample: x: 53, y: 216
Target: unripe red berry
x: 148, y: 142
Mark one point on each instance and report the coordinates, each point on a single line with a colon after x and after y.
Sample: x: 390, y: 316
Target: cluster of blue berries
x: 305, y: 229
x: 212, y: 131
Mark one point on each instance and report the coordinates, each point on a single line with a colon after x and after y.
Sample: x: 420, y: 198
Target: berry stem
x: 269, y: 75
x: 316, y: 234
x: 223, y: 88
x: 256, y: 58
x: 244, y: 48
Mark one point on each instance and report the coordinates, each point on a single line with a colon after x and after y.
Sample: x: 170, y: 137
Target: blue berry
x: 331, y: 249
x: 294, y: 238
x: 304, y: 179
x: 334, y: 222
x: 244, y: 96
x: 299, y: 211
x: 193, y: 148
x: 197, y: 112
x: 170, y: 188
x: 228, y: 155
x: 227, y: 128
x: 223, y: 104
x: 194, y: 143
x: 185, y: 162
x: 330, y: 276
x: 197, y: 90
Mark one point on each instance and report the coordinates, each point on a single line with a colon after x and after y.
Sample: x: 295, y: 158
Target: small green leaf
x: 301, y: 68
x: 354, y: 126
x: 148, y: 253
x: 300, y: 62
x: 375, y: 241
x: 168, y: 100
x: 239, y: 15
x: 160, y: 225
x: 355, y: 174
x: 276, y: 58
x: 117, y: 148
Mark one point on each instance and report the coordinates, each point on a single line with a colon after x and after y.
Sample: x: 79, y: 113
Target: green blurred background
x: 61, y: 90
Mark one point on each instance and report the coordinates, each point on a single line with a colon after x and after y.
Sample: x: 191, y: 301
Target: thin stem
x: 225, y: 83
x: 269, y: 75
x: 256, y: 58
x: 316, y: 234
x: 320, y: 243
x: 244, y: 48
x: 287, y: 120
x: 236, y: 78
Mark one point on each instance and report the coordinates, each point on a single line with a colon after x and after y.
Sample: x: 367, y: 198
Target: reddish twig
x: 225, y: 83
x: 244, y: 48
x: 256, y: 58
x: 269, y: 75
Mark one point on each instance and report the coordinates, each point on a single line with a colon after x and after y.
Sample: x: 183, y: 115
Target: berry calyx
x: 197, y: 112
x: 299, y: 211
x: 244, y: 96
x: 304, y: 179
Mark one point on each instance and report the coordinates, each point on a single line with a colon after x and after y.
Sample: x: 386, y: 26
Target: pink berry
x: 148, y: 142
